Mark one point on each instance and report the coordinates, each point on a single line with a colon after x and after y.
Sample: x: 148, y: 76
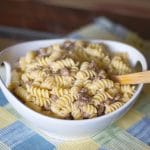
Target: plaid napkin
x: 131, y: 132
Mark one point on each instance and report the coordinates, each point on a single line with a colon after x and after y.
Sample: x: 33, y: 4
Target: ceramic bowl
x: 68, y: 129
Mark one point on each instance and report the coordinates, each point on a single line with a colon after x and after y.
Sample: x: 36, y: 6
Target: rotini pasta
x: 100, y: 98
x: 41, y: 101
x: 60, y: 111
x: 96, y: 50
x: 120, y: 67
x: 60, y: 91
x: 68, y: 62
x: 43, y: 61
x: 127, y: 89
x: 86, y: 74
x: 72, y: 80
x: 61, y: 81
x: 112, y: 107
x: 76, y: 112
x: 89, y: 111
x: 37, y: 74
x: 102, y: 84
x: 38, y: 92
x: 84, y: 66
x: 79, y: 55
x: 74, y: 91
x: 47, y: 83
x: 62, y: 106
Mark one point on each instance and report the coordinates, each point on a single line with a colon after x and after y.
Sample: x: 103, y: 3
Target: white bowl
x: 68, y: 129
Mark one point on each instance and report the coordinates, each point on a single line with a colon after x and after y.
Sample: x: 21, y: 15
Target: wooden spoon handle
x: 134, y: 78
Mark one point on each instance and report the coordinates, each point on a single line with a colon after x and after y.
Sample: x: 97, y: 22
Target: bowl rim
x: 138, y: 90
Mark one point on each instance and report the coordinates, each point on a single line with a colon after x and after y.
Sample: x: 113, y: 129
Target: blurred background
x: 60, y: 17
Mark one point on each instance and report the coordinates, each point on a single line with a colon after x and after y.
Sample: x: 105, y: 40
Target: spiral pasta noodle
x: 43, y: 61
x: 89, y: 111
x: 84, y: 66
x: 95, y: 50
x: 74, y: 91
x: 62, y: 105
x: 102, y: 84
x: 68, y: 62
x: 113, y: 107
x: 60, y: 91
x: 127, y: 89
x: 76, y: 112
x: 120, y: 66
x: 86, y: 74
x: 61, y: 81
x: 47, y: 83
x: 42, y: 102
x: 79, y: 55
x: 38, y: 92
x: 60, y: 111
x: 100, y: 98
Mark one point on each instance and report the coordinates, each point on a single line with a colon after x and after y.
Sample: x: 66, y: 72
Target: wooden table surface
x: 62, y: 19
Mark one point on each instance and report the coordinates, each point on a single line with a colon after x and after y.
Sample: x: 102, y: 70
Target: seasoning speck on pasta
x: 72, y: 80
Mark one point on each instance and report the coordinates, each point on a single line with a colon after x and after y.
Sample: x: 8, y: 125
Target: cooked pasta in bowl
x: 66, y: 85
x: 72, y: 80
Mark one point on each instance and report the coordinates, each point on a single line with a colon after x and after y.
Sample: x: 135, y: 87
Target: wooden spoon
x: 133, y: 78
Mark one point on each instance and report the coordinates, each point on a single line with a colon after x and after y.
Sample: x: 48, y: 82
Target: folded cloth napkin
x: 131, y: 132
